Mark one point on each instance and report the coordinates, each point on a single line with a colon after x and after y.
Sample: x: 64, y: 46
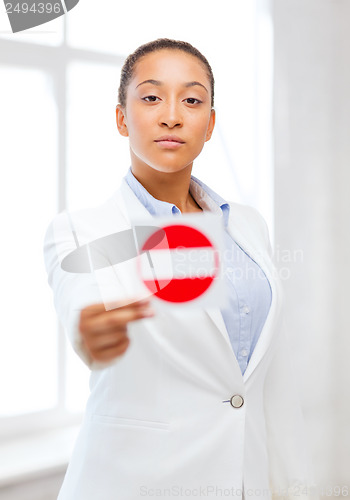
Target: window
x: 28, y: 158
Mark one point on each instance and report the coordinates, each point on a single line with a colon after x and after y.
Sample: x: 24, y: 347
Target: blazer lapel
x: 265, y: 263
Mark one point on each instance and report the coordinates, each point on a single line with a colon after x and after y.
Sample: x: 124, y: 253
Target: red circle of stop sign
x: 170, y: 287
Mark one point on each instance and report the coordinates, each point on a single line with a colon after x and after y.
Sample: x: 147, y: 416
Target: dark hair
x: 159, y: 44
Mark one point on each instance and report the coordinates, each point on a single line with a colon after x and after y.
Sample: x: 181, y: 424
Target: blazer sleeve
x: 71, y: 291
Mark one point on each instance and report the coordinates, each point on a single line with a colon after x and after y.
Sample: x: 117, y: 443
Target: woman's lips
x: 169, y: 144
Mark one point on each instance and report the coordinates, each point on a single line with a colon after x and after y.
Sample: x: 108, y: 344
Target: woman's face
x: 169, y: 95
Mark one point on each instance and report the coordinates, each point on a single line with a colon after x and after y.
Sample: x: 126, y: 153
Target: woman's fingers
x: 111, y: 352
x: 108, y: 321
x: 105, y: 346
x: 105, y: 332
x: 107, y: 340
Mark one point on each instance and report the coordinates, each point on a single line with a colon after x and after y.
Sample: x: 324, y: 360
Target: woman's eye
x: 193, y: 99
x: 151, y: 97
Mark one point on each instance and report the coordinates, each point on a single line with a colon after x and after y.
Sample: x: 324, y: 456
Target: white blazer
x: 159, y: 421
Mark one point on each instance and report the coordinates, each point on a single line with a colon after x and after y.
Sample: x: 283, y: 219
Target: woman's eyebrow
x: 158, y: 83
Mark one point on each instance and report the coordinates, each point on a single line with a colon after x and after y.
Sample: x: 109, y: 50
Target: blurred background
x: 281, y: 143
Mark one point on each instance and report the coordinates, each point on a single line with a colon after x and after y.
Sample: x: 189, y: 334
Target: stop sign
x: 178, y: 263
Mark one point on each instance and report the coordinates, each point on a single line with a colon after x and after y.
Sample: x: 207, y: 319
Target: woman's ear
x: 210, y: 125
x: 121, y: 120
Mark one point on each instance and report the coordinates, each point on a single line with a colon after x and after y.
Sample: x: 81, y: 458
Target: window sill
x: 36, y: 456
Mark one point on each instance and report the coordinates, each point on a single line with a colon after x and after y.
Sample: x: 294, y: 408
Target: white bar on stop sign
x: 178, y: 263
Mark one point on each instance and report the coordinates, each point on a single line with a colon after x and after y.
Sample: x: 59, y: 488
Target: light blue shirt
x: 249, y: 290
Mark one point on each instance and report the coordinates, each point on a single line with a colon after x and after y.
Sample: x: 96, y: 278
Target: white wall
x: 312, y: 213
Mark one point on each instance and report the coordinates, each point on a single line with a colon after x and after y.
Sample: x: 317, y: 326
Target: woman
x: 188, y: 402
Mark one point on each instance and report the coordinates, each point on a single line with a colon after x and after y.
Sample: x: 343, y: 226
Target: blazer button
x: 237, y: 401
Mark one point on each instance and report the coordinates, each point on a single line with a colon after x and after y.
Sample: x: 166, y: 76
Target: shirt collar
x: 206, y: 198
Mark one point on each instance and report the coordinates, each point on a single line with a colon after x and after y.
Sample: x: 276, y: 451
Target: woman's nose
x: 171, y: 115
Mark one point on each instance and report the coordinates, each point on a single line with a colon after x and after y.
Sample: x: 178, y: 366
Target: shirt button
x: 244, y: 352
x: 246, y: 309
x: 237, y: 401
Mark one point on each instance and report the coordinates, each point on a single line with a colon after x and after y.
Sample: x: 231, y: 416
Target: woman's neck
x: 172, y: 187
